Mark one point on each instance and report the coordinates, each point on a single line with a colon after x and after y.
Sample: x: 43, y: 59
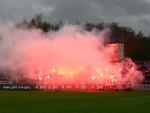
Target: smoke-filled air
x: 68, y: 56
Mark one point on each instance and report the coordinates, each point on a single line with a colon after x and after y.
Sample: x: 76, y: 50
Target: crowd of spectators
x: 144, y: 66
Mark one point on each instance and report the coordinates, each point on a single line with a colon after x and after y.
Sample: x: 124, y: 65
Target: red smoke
x: 68, y: 56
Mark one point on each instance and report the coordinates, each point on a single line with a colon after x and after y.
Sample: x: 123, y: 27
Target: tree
x: 140, y: 34
x: 38, y: 22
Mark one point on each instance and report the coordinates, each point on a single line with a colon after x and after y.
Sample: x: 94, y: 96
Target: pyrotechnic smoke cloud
x: 71, y: 51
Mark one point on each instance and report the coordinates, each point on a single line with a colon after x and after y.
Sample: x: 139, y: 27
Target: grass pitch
x: 63, y: 102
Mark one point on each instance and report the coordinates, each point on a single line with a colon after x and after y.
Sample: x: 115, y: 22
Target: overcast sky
x: 133, y: 13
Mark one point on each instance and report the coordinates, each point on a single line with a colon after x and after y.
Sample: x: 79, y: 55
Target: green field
x: 95, y: 102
